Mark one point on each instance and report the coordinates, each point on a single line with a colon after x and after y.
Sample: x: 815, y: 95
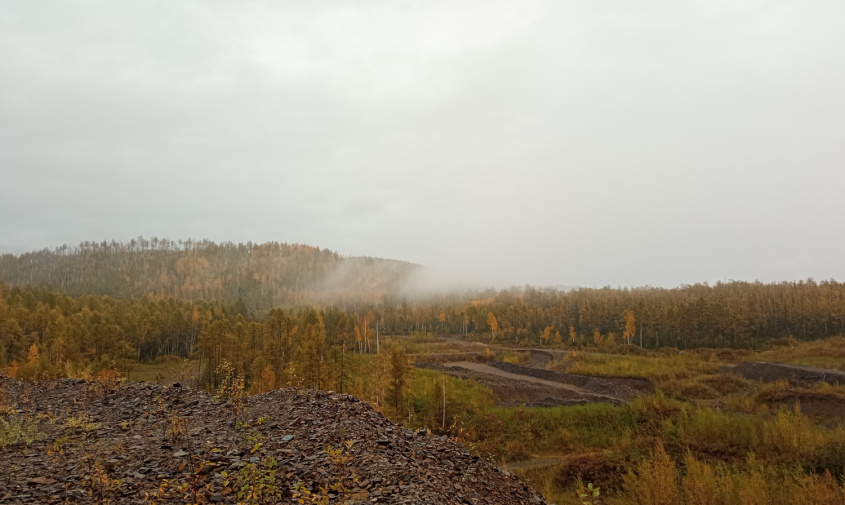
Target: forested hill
x: 262, y: 275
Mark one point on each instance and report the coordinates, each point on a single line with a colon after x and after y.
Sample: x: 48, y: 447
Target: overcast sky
x: 544, y: 142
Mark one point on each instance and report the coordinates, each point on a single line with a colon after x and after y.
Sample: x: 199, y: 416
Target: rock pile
x: 85, y: 442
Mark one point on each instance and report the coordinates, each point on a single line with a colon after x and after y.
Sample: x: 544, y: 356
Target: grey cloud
x: 545, y: 142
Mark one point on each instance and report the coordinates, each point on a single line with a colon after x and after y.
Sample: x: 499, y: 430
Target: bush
x: 516, y: 451
x: 604, y: 469
x: 727, y: 384
x: 654, y: 481
x: 17, y: 429
x: 690, y: 390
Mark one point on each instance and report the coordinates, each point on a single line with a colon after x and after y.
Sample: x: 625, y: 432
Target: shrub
x: 516, y: 451
x: 17, y: 429
x: 604, y: 469
x: 726, y: 384
x: 654, y: 481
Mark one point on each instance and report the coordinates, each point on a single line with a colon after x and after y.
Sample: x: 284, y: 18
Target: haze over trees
x: 178, y: 289
x: 262, y: 275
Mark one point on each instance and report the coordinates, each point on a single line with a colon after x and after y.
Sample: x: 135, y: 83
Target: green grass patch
x: 164, y: 371
x: 16, y: 429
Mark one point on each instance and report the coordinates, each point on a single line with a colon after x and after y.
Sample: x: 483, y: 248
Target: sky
x: 543, y: 142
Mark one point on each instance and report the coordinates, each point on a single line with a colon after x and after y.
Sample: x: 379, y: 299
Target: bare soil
x: 826, y: 408
x: 531, y: 384
x: 512, y: 389
x: 771, y: 372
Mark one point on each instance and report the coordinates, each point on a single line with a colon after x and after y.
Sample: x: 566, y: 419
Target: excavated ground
x: 521, y: 385
x: 143, y: 443
x: 771, y: 372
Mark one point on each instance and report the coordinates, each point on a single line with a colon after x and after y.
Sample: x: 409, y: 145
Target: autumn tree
x: 213, y: 343
x: 494, y: 324
x: 344, y: 330
x: 400, y: 371
x: 546, y: 335
x: 31, y: 368
x: 630, y: 325
x: 312, y: 353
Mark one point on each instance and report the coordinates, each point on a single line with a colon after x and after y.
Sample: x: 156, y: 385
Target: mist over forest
x: 596, y: 241
x: 396, y: 297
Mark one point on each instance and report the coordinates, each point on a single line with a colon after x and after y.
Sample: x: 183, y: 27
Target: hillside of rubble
x: 131, y: 442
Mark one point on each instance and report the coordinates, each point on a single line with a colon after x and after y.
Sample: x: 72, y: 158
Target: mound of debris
x: 771, y: 372
x: 95, y: 442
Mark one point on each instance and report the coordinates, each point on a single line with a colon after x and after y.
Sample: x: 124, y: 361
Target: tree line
x: 262, y: 276
x: 254, y: 280
x: 48, y: 334
x: 726, y: 314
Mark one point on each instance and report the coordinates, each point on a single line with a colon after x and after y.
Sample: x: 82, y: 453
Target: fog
x: 496, y: 143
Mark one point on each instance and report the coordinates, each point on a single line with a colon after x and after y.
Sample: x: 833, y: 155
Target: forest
x: 256, y: 278
x: 263, y: 276
x: 276, y: 315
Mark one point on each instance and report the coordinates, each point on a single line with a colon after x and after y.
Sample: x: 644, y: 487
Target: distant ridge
x: 261, y: 275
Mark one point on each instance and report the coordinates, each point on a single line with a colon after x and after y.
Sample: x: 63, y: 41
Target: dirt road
x: 511, y: 389
x: 487, y: 369
x: 531, y: 384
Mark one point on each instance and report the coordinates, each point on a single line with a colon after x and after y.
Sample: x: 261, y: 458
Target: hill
x: 261, y: 275
x: 105, y: 442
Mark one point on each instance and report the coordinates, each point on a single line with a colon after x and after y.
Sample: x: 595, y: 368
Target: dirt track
x: 771, y: 372
x: 531, y: 384
x: 487, y: 369
x: 512, y: 389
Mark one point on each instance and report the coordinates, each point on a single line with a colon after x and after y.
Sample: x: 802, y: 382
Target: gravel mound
x: 93, y: 443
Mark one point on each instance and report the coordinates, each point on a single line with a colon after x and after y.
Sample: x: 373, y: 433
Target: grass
x: 705, y: 437
x: 165, y: 370
x: 16, y: 429
x: 827, y: 353
x: 515, y: 357
x: 661, y: 368
x: 430, y: 344
x: 660, y: 444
